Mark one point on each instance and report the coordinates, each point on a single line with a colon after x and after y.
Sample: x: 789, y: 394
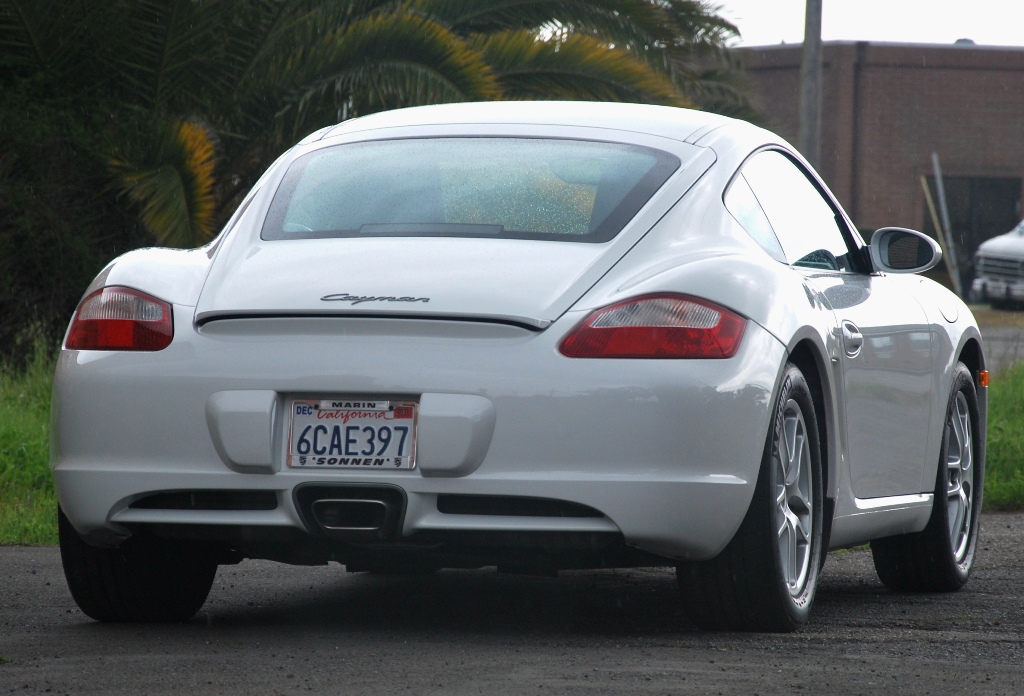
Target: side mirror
x: 899, y: 250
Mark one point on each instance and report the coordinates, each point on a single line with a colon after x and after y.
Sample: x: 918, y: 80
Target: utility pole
x: 810, y: 86
x: 945, y: 230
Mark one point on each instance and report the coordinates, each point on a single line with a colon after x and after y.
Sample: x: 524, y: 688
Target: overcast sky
x: 987, y: 22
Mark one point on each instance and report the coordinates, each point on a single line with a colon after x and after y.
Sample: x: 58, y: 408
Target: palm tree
x: 203, y: 94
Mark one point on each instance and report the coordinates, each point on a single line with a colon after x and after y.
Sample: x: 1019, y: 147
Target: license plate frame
x: 352, y: 434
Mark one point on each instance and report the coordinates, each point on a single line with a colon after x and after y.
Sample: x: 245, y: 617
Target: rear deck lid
x: 506, y: 229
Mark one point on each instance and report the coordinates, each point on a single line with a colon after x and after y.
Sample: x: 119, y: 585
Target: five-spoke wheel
x: 959, y: 475
x: 794, y: 499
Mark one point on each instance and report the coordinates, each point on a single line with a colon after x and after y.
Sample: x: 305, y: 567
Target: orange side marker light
x: 983, y: 378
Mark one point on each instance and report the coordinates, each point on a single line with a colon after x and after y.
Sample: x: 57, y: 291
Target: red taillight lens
x: 116, y: 318
x: 657, y: 326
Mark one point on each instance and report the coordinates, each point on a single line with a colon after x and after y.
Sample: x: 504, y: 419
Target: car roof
x: 666, y: 121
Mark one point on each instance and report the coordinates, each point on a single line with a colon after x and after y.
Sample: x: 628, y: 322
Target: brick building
x: 887, y: 107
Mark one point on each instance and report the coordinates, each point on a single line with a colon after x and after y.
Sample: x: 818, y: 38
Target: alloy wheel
x: 959, y: 476
x: 794, y: 499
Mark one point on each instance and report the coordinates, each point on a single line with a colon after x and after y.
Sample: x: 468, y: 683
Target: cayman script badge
x: 359, y: 299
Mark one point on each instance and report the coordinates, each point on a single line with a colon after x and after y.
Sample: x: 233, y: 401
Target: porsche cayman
x: 530, y: 336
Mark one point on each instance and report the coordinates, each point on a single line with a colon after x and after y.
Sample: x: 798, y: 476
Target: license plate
x: 352, y: 434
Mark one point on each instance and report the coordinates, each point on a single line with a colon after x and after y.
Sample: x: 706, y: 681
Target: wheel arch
x: 971, y: 356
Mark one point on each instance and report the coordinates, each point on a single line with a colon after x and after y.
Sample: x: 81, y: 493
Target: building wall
x: 887, y: 107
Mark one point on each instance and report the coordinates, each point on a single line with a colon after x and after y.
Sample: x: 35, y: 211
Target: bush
x: 57, y: 229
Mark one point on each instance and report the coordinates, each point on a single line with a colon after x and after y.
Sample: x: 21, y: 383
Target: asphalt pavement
x: 274, y: 629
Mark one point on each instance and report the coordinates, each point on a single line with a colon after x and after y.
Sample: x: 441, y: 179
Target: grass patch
x: 1004, y: 463
x: 28, y: 503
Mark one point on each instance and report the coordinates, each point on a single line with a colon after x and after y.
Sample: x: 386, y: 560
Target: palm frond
x: 63, y: 39
x: 281, y: 27
x: 697, y: 23
x: 390, y: 58
x: 22, y: 33
x: 618, y: 21
x: 574, y: 67
x: 724, y: 91
x: 701, y: 64
x: 171, y: 179
x: 261, y: 27
x: 174, y: 50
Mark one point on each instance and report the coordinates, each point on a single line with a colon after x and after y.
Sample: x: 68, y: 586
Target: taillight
x: 116, y: 318
x: 657, y: 326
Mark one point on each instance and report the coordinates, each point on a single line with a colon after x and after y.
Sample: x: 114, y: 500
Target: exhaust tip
x: 337, y: 514
x: 351, y: 512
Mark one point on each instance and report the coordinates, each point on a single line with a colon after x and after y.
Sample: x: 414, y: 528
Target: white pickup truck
x: 999, y: 270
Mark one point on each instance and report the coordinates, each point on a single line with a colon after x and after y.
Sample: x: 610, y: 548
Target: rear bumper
x: 685, y: 517
x: 666, y: 451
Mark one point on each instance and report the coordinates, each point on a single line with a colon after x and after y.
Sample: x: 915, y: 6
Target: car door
x: 885, y: 349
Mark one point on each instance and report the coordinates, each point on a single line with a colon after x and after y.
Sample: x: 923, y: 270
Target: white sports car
x: 536, y: 336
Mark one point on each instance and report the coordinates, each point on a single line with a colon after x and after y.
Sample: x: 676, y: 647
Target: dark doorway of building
x: 979, y: 208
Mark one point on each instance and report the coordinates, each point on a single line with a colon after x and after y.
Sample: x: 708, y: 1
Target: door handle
x: 853, y: 339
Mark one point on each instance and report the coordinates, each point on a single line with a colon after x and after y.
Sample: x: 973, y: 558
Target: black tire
x: 765, y: 579
x: 940, y: 558
x: 143, y: 580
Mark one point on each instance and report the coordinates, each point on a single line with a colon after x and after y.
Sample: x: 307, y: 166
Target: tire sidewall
x: 963, y: 383
x: 795, y: 387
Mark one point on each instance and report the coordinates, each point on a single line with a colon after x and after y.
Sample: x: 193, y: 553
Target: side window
x: 740, y: 201
x: 804, y: 222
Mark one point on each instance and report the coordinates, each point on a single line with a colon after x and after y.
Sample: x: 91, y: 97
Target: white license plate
x: 352, y: 434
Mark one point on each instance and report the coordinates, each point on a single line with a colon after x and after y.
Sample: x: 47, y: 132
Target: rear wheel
x: 765, y: 579
x: 143, y: 580
x: 940, y: 558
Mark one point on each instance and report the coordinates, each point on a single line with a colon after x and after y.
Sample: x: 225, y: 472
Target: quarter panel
x: 698, y: 248
x: 172, y: 275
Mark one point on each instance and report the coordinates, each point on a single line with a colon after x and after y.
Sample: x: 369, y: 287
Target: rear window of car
x: 506, y: 188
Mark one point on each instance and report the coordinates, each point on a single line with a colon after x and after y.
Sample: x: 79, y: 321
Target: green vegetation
x: 28, y: 503
x: 1004, y: 463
